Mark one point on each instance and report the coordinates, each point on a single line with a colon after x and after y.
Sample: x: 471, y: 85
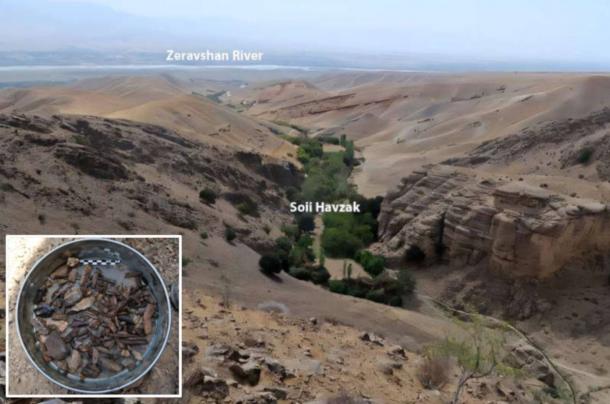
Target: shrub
x: 290, y: 231
x: 270, y: 264
x: 337, y: 286
x: 302, y: 251
x: 376, y: 295
x: 372, y: 264
x: 584, y: 155
x: 406, y: 282
x: 300, y: 273
x: 185, y: 261
x: 357, y: 289
x: 248, y: 208
x: 308, y: 149
x: 230, y: 234
x: 395, y: 301
x: 208, y: 195
x: 203, y: 235
x: 320, y: 275
x: 433, y: 372
x: 283, y: 244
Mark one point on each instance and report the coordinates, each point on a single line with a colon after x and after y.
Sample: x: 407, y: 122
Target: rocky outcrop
x: 448, y: 214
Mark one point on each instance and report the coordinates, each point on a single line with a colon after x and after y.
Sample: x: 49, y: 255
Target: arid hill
x: 499, y: 180
x: 161, y: 100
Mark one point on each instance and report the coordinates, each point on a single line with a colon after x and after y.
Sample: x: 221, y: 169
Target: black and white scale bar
x: 100, y: 262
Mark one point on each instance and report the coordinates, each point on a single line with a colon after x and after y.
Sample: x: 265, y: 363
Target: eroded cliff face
x: 452, y: 215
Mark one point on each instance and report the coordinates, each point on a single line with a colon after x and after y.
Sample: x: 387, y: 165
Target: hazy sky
x: 564, y: 31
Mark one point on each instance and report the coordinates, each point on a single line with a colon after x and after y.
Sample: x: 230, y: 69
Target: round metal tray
x: 109, y: 251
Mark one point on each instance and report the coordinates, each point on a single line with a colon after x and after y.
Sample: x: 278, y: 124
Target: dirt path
x: 334, y: 265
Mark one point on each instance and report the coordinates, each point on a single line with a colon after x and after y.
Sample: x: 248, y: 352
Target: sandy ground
x: 23, y: 378
x: 327, y: 359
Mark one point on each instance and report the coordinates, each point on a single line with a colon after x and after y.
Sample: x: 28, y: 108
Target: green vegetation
x: 327, y: 179
x: 584, y: 155
x: 203, y: 235
x: 305, y: 222
x: 270, y: 264
x: 185, y: 261
x: 308, y: 150
x: 345, y: 234
x: 248, y: 207
x: 208, y: 195
x: 230, y: 233
x: 215, y: 97
x: 478, y: 355
x: 302, y: 251
x: 316, y: 274
x: 372, y: 264
x: 384, y: 288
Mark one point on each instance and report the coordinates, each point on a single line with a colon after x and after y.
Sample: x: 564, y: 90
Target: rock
x: 189, y: 350
x: 73, y: 361
x: 370, y: 337
x: 249, y: 372
x: 504, y: 391
x: 277, y: 368
x: 516, y: 229
x: 84, y: 304
x: 61, y: 272
x: 532, y: 361
x: 215, y: 387
x: 201, y: 382
x: 278, y: 392
x: 254, y: 342
x: 217, y: 350
x: 72, y: 262
x: 174, y: 296
x: 59, y: 325
x: 257, y: 398
x: 55, y: 346
x: 387, y: 367
x: 397, y: 352
x: 73, y: 296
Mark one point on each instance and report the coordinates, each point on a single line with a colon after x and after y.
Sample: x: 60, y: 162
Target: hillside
x: 176, y: 104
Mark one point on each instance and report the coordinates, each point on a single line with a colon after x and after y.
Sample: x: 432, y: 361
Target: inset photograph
x: 93, y: 315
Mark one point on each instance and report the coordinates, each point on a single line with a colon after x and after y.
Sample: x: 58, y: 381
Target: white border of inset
x: 82, y: 236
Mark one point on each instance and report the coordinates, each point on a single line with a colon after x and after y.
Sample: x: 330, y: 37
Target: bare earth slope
x: 405, y: 120
x: 161, y: 100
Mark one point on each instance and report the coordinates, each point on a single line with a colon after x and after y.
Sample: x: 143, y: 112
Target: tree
x: 306, y: 222
x: 478, y: 355
x: 230, y: 234
x: 207, y: 195
x: 270, y: 264
x: 340, y: 243
x: 372, y: 264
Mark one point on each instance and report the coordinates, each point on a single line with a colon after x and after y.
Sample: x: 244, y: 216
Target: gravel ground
x: 25, y: 379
